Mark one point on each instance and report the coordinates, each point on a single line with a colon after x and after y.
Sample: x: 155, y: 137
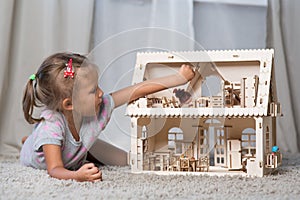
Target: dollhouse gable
x: 223, y: 120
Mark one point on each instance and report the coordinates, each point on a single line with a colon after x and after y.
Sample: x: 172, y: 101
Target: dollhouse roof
x: 231, y: 65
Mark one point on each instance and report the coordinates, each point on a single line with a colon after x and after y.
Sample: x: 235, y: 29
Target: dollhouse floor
x: 213, y: 171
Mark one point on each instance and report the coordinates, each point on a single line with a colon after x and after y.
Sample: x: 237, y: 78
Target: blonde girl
x: 75, y: 111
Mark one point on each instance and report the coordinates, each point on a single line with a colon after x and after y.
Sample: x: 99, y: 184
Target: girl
x: 75, y: 112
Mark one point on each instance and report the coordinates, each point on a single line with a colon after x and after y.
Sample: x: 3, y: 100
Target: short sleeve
x: 106, y: 110
x: 49, y: 131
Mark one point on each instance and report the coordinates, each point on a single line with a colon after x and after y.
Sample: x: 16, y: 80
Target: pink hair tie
x: 69, y: 71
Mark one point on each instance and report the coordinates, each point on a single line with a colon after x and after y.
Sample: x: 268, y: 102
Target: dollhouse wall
x: 158, y: 128
x: 236, y: 71
x: 155, y: 70
x: 238, y: 125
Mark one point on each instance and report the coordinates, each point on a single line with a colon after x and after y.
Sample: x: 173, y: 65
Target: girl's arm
x: 136, y: 91
x: 55, y: 166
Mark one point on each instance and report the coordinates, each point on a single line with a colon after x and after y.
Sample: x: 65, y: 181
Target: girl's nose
x: 100, y: 94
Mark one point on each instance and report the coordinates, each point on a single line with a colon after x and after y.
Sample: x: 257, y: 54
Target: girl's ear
x: 67, y: 104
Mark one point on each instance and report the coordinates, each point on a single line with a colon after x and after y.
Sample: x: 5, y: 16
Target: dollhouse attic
x: 221, y: 122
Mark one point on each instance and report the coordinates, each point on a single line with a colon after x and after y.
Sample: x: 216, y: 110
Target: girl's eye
x: 93, y: 91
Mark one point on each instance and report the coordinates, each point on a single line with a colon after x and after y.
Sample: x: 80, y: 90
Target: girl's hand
x: 88, y: 172
x: 187, y: 72
x: 150, y: 86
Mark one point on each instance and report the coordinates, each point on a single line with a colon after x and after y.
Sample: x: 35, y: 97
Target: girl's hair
x: 50, y: 87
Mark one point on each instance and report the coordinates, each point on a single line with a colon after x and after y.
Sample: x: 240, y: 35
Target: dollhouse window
x: 175, y: 140
x: 249, y: 142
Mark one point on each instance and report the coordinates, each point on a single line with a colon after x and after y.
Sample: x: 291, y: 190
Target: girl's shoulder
x: 52, y: 116
x: 53, y: 122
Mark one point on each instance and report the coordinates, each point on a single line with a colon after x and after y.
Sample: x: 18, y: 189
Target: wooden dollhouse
x: 223, y: 121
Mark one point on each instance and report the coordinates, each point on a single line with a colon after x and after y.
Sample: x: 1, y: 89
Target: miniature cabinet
x: 222, y: 121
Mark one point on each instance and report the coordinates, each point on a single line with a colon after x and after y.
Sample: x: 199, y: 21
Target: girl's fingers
x: 97, y: 176
x: 89, y: 165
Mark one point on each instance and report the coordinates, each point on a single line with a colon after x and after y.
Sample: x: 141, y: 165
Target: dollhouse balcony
x: 273, y: 160
x: 134, y: 111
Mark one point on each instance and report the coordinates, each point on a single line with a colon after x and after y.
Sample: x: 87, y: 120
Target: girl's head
x: 56, y: 91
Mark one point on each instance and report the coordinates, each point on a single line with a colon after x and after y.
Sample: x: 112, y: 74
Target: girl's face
x: 87, y: 96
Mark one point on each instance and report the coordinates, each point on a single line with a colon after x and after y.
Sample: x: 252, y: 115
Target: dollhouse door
x: 203, y: 143
x: 220, y: 146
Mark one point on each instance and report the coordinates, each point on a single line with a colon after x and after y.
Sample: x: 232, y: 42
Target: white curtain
x: 30, y: 31
x: 112, y: 31
x: 226, y: 26
x: 283, y: 35
x: 121, y: 29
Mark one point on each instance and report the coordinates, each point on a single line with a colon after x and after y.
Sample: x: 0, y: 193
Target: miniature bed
x: 222, y: 122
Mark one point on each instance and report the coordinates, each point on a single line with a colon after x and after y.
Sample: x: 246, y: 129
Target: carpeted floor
x: 19, y: 182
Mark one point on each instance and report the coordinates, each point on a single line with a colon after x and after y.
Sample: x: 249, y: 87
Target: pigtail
x: 29, y: 101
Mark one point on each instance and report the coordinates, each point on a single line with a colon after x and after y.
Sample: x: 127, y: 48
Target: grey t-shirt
x: 54, y: 130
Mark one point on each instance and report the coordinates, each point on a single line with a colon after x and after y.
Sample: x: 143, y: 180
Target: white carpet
x: 19, y: 182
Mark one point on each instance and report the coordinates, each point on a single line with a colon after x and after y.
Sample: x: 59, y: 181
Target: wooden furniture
x: 184, y: 164
x: 203, y: 164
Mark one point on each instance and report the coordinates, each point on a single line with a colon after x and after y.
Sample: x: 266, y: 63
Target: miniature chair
x: 203, y: 163
x: 274, y: 159
x: 174, y: 103
x: 193, y: 163
x: 271, y: 161
x: 184, y: 164
x: 174, y: 164
x: 165, y: 102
